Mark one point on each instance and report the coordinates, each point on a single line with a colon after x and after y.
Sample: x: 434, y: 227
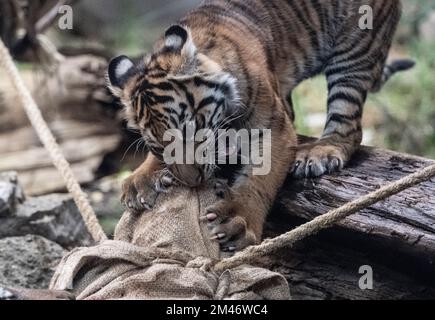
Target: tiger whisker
x: 131, y: 145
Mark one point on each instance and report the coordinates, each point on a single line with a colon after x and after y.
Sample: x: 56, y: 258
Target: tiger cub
x: 233, y: 63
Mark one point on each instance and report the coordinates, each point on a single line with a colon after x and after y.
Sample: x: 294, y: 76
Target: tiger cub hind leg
x: 356, y: 67
x: 343, y: 131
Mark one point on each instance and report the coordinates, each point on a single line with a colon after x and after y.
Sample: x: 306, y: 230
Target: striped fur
x: 239, y: 59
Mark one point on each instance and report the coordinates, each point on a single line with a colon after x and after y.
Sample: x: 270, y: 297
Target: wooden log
x: 48, y: 180
x: 74, y: 151
x: 64, y: 130
x: 321, y: 270
x: 75, y: 90
x: 84, y: 145
x: 398, y: 233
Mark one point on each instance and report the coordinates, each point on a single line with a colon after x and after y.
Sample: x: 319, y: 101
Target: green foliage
x: 408, y: 105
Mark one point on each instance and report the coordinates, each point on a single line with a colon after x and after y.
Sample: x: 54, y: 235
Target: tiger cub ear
x: 179, y: 39
x: 120, y: 71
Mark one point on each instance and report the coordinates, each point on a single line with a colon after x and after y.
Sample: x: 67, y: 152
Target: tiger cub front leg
x: 236, y: 221
x: 229, y: 223
x: 141, y: 189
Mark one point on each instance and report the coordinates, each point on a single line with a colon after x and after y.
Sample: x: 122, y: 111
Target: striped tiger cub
x: 232, y: 64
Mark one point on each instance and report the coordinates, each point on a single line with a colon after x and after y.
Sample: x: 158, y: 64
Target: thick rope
x: 251, y: 254
x: 48, y: 140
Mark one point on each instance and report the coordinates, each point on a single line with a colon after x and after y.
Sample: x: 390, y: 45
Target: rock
x: 34, y: 294
x: 55, y: 217
x: 27, y: 262
x: 10, y: 193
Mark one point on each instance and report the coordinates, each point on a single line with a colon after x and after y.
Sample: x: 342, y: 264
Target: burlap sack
x: 163, y: 254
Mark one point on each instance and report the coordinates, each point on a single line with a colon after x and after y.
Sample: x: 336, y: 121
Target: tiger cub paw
x: 140, y: 190
x: 229, y: 229
x: 316, y: 159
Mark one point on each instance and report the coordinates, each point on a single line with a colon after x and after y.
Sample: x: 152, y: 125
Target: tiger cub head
x: 175, y: 87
